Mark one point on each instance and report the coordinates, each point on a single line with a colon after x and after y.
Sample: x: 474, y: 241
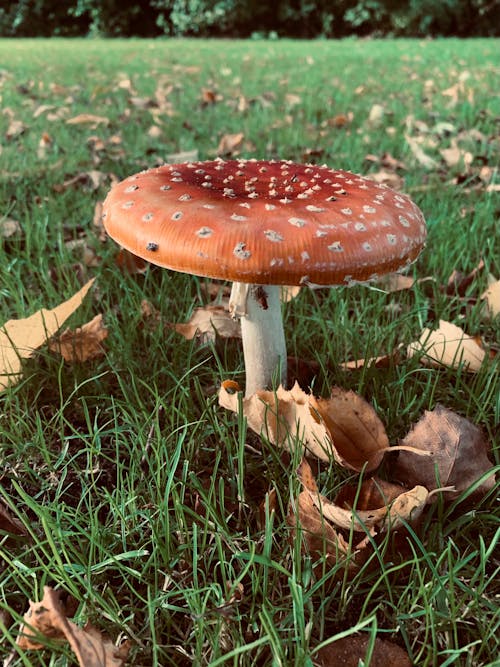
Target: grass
x: 140, y: 495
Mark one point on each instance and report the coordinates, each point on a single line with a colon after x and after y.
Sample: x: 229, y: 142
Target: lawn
x: 159, y: 514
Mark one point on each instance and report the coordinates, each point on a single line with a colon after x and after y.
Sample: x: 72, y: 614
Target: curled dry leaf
x: 83, y: 343
x: 349, y: 651
x: 344, y: 427
x: 448, y: 345
x: 88, y: 119
x: 377, y: 509
x: 208, y: 322
x: 458, y: 453
x: 20, y: 338
x: 48, y: 618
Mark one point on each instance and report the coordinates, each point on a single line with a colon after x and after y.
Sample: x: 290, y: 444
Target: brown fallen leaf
x: 229, y: 144
x: 130, y: 263
x: 450, y: 346
x: 384, y: 361
x: 457, y: 453
x: 351, y: 651
x: 319, y: 537
x: 88, y: 119
x: 48, y: 618
x: 491, y: 298
x: 91, y: 180
x: 207, y: 322
x: 9, y: 227
x: 343, y: 427
x: 392, y: 507
x: 15, y: 129
x: 20, y: 338
x: 82, y: 344
x: 9, y: 524
x: 459, y: 282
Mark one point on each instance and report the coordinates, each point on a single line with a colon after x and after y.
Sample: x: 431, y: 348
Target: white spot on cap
x: 315, y: 209
x: 209, y: 206
x: 336, y: 246
x: 147, y: 217
x: 272, y: 235
x: 241, y: 252
x: 369, y: 209
x: 185, y: 197
x: 128, y: 204
x: 153, y: 247
x: 404, y: 221
x: 131, y: 188
x: 305, y: 256
x: 177, y: 215
x: 346, y: 211
x: 238, y: 218
x: 366, y: 246
x: 360, y: 227
x: 392, y: 239
x: 204, y: 232
x: 297, y: 222
x: 164, y: 188
x: 270, y: 207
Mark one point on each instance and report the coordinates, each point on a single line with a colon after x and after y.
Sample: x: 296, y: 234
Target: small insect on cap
x: 265, y: 222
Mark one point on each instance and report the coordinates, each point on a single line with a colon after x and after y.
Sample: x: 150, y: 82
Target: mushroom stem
x: 264, y: 347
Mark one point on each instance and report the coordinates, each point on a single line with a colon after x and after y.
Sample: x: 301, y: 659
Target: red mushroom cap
x: 265, y: 222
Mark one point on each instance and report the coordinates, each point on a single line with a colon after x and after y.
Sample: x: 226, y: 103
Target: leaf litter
x: 20, y: 338
x: 49, y: 619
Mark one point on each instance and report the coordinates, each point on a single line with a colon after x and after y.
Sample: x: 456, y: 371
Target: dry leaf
x: 395, y: 282
x: 91, y: 180
x: 82, y: 344
x: 343, y: 426
x: 386, y: 177
x: 450, y: 346
x: 376, y: 115
x: 457, y: 453
x: 456, y: 156
x: 319, y: 537
x: 229, y: 144
x: 351, y: 651
x: 9, y: 524
x: 20, y: 338
x: 393, y: 506
x: 88, y: 119
x: 130, y: 263
x: 48, y: 618
x: 289, y: 292
x: 491, y: 297
x: 15, y: 129
x: 183, y: 156
x: 208, y: 322
x: 422, y: 158
x: 9, y: 227
x: 384, y: 361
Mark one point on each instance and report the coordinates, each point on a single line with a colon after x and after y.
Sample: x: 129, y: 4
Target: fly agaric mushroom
x: 262, y: 224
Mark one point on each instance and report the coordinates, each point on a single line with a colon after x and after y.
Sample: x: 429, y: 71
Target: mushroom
x: 262, y: 224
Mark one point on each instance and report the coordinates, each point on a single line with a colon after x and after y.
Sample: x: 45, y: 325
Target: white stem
x: 264, y: 347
